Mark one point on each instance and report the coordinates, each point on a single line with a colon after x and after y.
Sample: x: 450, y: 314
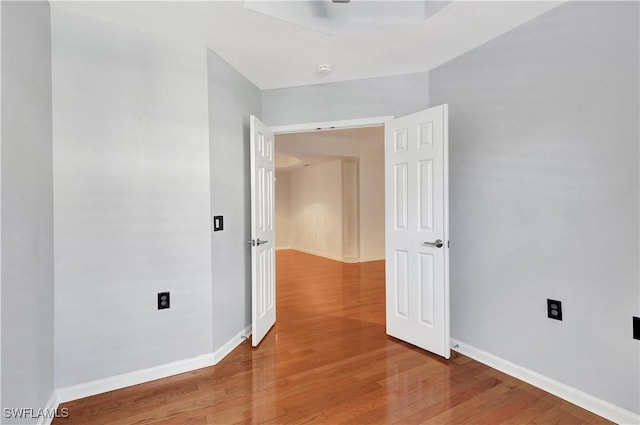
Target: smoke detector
x: 324, y: 69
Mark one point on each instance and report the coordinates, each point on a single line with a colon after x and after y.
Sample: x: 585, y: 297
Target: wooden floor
x: 328, y: 361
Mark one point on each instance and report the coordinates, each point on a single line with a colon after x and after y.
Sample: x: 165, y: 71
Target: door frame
x: 331, y: 125
x: 375, y: 122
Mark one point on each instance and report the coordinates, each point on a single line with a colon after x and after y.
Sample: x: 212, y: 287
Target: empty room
x: 478, y: 264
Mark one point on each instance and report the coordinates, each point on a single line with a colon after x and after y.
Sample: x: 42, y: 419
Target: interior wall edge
x: 51, y: 406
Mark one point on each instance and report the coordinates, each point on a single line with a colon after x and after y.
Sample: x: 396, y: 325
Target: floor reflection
x: 328, y: 360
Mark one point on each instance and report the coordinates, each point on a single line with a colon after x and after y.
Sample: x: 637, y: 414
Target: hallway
x: 328, y: 360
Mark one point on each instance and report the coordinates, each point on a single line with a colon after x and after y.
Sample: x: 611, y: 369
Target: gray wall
x: 132, y: 212
x: 544, y: 196
x: 232, y: 99
x: 27, y: 207
x: 544, y: 188
x: 371, y: 97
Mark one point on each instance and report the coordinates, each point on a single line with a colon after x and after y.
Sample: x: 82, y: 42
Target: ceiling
x: 295, y: 150
x: 294, y: 161
x: 275, y: 50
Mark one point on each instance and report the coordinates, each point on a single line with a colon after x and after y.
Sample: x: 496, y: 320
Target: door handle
x: 254, y: 242
x: 438, y: 243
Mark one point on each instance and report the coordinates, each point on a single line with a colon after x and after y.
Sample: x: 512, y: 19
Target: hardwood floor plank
x: 329, y: 361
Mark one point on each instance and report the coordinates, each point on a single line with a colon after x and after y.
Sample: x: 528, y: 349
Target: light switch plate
x: 218, y: 223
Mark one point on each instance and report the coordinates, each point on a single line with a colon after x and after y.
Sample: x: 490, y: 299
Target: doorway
x: 415, y: 222
x: 330, y: 193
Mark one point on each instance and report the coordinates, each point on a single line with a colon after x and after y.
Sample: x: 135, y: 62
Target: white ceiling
x: 275, y: 53
x: 297, y: 160
x: 294, y: 150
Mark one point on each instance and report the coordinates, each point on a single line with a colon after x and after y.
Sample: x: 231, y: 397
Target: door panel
x: 426, y: 278
x: 416, y: 217
x: 401, y: 205
x: 263, y: 284
x: 425, y: 193
x: 402, y: 284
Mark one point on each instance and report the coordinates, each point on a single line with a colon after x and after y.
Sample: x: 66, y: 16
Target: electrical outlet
x: 554, y: 309
x: 636, y: 327
x: 164, y: 300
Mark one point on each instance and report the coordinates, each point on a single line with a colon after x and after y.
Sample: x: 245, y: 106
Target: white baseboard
x: 52, y: 406
x: 111, y: 383
x: 278, y: 248
x: 323, y: 255
x: 586, y: 401
x: 318, y: 254
x: 227, y: 348
x: 366, y: 260
x: 350, y: 260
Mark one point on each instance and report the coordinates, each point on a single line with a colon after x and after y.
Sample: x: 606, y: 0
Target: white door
x: 263, y: 268
x: 416, y: 210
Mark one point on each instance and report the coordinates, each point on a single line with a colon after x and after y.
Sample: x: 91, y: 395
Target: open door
x: 417, y: 229
x: 263, y: 268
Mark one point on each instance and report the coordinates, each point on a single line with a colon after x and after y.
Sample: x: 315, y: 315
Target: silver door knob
x: 259, y: 242
x: 438, y: 243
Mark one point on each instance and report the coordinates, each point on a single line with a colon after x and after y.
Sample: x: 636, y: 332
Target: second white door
x: 263, y: 267
x: 416, y: 246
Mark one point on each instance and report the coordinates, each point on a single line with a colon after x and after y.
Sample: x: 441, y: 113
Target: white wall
x: 27, y: 208
x: 283, y: 209
x: 368, y: 147
x: 371, y: 154
x: 232, y: 99
x: 350, y: 188
x: 316, y: 209
x: 132, y: 200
